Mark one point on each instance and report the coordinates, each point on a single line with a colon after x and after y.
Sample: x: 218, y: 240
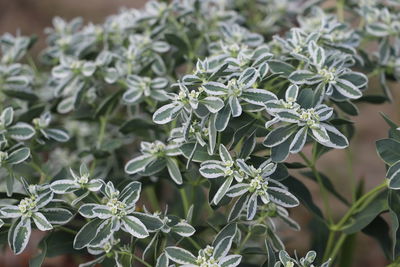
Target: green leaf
x: 238, y: 207
x: 21, y: 235
x: 279, y: 135
x: 162, y: 260
x: 200, y: 154
x: 18, y: 156
x: 38, y: 260
x: 215, y: 88
x: 103, y: 233
x: 180, y: 255
x: 394, y: 211
x: 57, y: 135
x: 7, y: 116
x: 347, y: 89
x: 21, y: 131
x: 230, y: 261
x: 281, y: 67
x: 366, y: 215
x: 212, y: 103
x: 222, y: 190
x: 282, y: 197
x: 173, y: 170
x: 134, y: 226
x: 183, y: 229
x: 86, y: 234
x: 151, y: 222
x: 301, y: 76
x: 388, y: 150
x: 166, y: 113
x: 41, y: 222
x: 222, y: 248
x: 138, y: 164
x: 57, y: 215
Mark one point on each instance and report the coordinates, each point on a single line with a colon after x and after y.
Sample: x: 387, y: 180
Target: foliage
x: 181, y: 118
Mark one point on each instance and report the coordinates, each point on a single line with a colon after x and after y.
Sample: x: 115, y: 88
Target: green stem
x: 194, y: 243
x: 337, y: 247
x: 324, y: 193
x: 185, y: 200
x: 152, y: 197
x: 340, y: 9
x: 65, y: 229
x: 138, y: 259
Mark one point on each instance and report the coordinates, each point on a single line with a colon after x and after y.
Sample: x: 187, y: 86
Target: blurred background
x: 33, y: 16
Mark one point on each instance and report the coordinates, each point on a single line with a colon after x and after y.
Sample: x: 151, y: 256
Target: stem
x: 152, y: 197
x: 339, y: 243
x: 324, y: 193
x: 358, y: 203
x: 340, y: 9
x: 194, y: 243
x: 65, y: 229
x: 184, y: 200
x: 138, y: 259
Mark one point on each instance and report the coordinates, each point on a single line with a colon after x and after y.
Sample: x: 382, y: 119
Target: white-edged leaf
x: 41, y: 222
x: 347, y: 89
x: 282, y: 197
x: 180, y: 255
x: 134, y: 226
x: 173, y: 170
x: 18, y: 156
x: 21, y: 235
x: 139, y: 163
x: 299, y: 140
x: 222, y: 190
x: 183, y: 229
x: 212, y: 103
x: 252, y: 206
x: 211, y: 171
x: 57, y: 135
x: 166, y: 113
x: 230, y: 261
x: 237, y: 190
x: 215, y: 88
x: 279, y: 135
x: 21, y: 131
x: 64, y: 186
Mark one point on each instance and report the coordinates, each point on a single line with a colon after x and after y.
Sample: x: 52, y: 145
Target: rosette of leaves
x: 216, y: 254
x: 36, y: 208
x: 329, y: 73
x: 257, y: 185
x: 308, y: 261
x: 145, y: 87
x: 42, y: 126
x: 117, y: 212
x: 108, y: 250
x: 155, y: 157
x: 187, y: 101
x: 79, y: 182
x: 299, y: 120
x: 71, y: 77
x: 235, y: 93
x: 15, y: 79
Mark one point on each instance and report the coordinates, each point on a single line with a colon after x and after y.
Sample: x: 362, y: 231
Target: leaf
x: 394, y: 211
x: 248, y: 77
x: 252, y: 206
x: 200, y: 154
x: 180, y: 255
x: 64, y: 186
x: 139, y: 163
x: 222, y: 248
x: 388, y: 150
x: 215, y: 88
x: 86, y: 234
x: 166, y: 113
x: 366, y: 215
x: 238, y: 207
x: 183, y: 229
x: 21, y: 235
x: 7, y: 116
x: 279, y: 135
x: 229, y: 230
x: 282, y: 197
x: 230, y: 261
x: 103, y: 233
x: 173, y: 170
x: 134, y: 226
x: 162, y: 260
x: 38, y: 260
x: 347, y: 89
x: 222, y: 190
x: 57, y: 135
x: 257, y: 96
x: 18, y: 156
x: 41, y: 222
x: 57, y: 215
x: 222, y: 118
x: 211, y: 171
x: 151, y: 222
x: 301, y: 77
x: 281, y: 67
x: 21, y: 131
x: 212, y: 103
